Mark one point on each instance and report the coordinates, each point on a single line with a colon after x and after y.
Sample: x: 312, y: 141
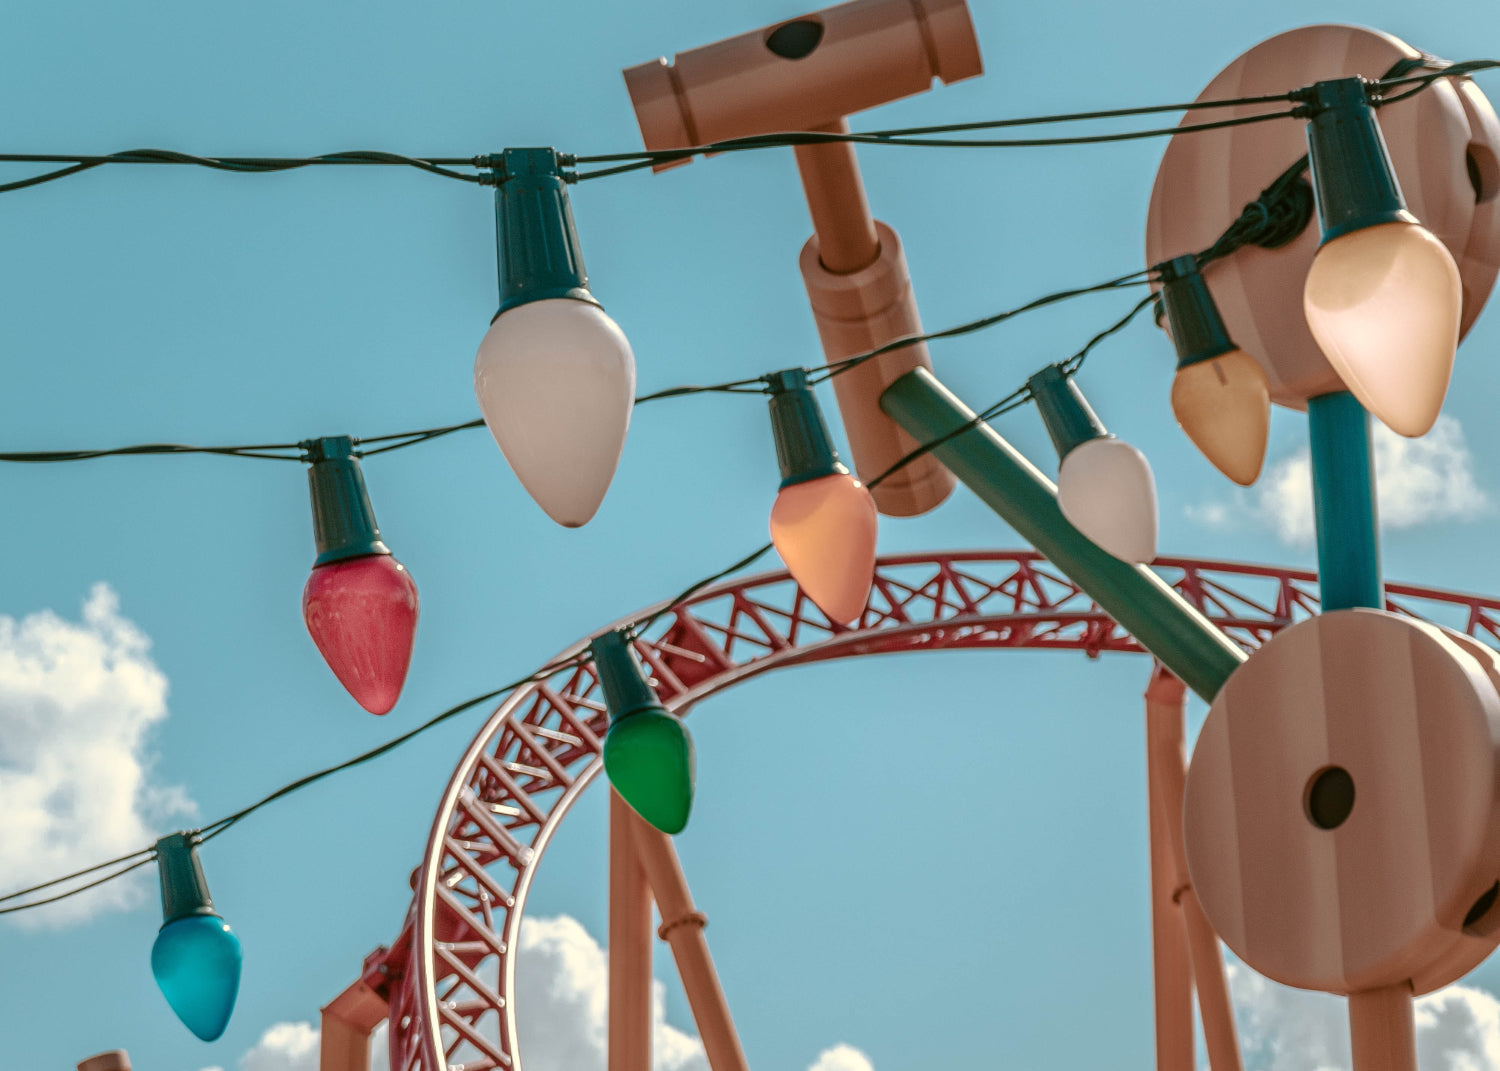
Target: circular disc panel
x: 1340, y: 812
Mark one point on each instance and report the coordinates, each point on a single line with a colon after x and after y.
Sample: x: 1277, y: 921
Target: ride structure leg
x: 629, y: 945
x: 861, y: 295
x: 1171, y: 967
x: 682, y: 928
x: 348, y: 1020
x: 1382, y: 1028
x: 1166, y: 699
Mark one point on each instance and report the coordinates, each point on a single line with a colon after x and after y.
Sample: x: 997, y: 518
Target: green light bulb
x: 649, y: 758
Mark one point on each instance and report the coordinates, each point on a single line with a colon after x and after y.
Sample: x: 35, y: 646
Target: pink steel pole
x: 1166, y: 698
x: 1382, y: 1029
x: 629, y: 946
x: 682, y: 928
x: 1172, y: 969
x: 348, y: 1020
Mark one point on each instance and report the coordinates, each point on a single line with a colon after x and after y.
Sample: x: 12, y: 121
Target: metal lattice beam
x: 450, y: 976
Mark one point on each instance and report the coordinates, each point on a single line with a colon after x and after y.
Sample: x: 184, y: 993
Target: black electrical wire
x: 1137, y: 278
x: 1075, y: 362
x: 646, y: 158
x: 77, y: 874
x: 247, y: 164
x: 260, y: 451
x: 82, y: 888
x: 213, y: 829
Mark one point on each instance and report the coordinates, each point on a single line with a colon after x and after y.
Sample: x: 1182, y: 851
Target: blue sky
x: 936, y: 859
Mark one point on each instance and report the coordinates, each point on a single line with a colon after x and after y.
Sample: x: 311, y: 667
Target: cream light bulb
x: 1106, y: 490
x: 556, y: 384
x: 1383, y: 297
x: 1104, y: 486
x: 1384, y: 304
x: 554, y: 376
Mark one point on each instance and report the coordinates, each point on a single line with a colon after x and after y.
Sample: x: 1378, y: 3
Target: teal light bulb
x: 648, y: 756
x: 196, y: 961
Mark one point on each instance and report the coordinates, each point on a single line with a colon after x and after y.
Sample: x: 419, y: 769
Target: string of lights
x: 130, y: 862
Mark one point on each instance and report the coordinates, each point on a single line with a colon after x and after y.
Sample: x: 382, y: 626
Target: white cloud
x: 284, y: 1047
x: 842, y: 1058
x: 1282, y: 1029
x: 562, y: 983
x: 78, y: 701
x: 1420, y: 481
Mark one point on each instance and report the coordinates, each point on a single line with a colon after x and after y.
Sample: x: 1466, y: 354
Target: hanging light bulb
x: 196, y: 957
x: 1104, y: 486
x: 555, y: 376
x: 360, y: 603
x: 823, y: 522
x: 1220, y: 395
x: 648, y: 753
x: 1383, y: 296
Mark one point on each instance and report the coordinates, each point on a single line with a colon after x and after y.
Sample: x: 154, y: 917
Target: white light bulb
x: 1105, y: 489
x: 556, y: 383
x: 1384, y: 304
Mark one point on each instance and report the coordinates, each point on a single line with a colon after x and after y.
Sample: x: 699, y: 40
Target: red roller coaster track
x: 449, y: 976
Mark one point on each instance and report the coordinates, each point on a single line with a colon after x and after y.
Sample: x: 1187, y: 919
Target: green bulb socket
x: 1065, y: 412
x: 184, y: 889
x: 343, y: 520
x: 804, y: 449
x: 1353, y: 180
x: 625, y: 687
x: 1196, y: 327
x: 536, y: 240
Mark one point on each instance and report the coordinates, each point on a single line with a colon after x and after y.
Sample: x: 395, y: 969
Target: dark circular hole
x: 1476, y: 179
x: 796, y: 39
x: 1330, y: 797
x: 1482, y: 905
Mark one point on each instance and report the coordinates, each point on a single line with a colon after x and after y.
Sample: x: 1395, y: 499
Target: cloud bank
x: 1282, y: 1029
x: 78, y: 702
x: 1420, y: 481
x: 562, y: 987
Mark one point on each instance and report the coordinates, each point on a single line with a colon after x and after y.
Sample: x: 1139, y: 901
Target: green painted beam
x: 1183, y: 640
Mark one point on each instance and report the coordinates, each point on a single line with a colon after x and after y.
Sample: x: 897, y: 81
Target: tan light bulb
x: 824, y: 529
x: 1224, y: 406
x: 1384, y: 303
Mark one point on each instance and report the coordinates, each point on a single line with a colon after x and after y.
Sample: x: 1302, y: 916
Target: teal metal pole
x: 1183, y: 640
x: 1343, y: 479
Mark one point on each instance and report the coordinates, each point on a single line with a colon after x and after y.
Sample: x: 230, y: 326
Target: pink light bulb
x: 362, y: 614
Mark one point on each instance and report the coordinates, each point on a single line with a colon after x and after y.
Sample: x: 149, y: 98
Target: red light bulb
x: 360, y: 604
x: 362, y: 614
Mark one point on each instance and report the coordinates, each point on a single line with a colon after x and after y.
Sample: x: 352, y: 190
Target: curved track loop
x: 451, y: 974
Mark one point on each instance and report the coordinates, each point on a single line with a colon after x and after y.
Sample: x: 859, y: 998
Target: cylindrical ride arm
x: 1179, y: 636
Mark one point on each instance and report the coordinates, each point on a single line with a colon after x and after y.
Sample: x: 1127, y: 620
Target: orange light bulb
x: 1224, y: 406
x: 824, y: 530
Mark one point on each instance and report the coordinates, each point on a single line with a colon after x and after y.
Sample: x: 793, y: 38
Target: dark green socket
x: 648, y: 752
x: 804, y: 449
x: 343, y: 520
x: 184, y: 889
x: 1197, y: 329
x: 1353, y: 179
x: 535, y: 237
x: 1065, y: 412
